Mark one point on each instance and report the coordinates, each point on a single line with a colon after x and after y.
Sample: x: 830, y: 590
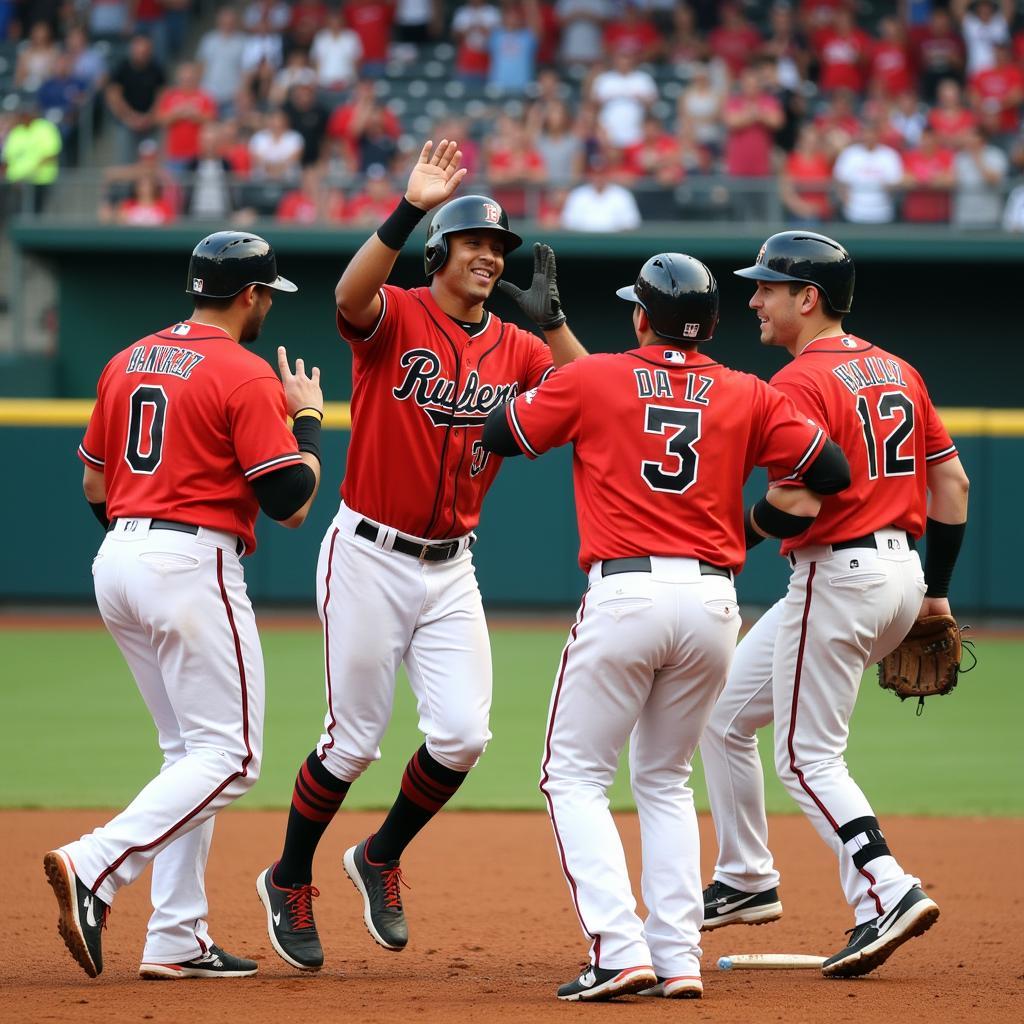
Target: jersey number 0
x: 147, y: 413
x: 683, y: 429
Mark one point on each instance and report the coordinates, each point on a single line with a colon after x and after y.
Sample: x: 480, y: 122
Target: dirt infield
x: 492, y: 933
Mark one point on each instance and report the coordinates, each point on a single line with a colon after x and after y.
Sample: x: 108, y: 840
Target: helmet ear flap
x: 435, y: 254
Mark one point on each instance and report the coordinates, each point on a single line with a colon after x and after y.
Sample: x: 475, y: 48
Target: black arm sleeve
x: 751, y: 537
x: 776, y: 522
x: 829, y: 473
x: 99, y: 510
x: 498, y: 434
x: 944, y: 540
x: 284, y: 491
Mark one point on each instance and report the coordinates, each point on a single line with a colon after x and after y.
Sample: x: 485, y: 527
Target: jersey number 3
x: 683, y: 429
x: 896, y: 408
x: 146, y: 417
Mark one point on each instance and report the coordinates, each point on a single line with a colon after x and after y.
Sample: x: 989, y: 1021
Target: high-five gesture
x: 436, y: 175
x: 540, y: 302
x: 300, y: 391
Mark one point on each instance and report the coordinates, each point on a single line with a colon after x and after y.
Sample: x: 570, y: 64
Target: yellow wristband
x: 309, y: 411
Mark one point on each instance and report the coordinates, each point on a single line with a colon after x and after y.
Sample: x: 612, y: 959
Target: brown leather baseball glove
x: 927, y: 662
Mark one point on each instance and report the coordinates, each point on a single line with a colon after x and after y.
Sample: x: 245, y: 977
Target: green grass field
x: 74, y: 731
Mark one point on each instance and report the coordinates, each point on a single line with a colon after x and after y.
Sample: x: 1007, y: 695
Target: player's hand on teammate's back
x: 436, y: 175
x: 540, y: 302
x: 300, y: 391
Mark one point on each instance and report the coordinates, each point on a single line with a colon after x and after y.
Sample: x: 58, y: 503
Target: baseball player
x: 395, y: 580
x: 187, y: 441
x: 664, y: 438
x: 855, y: 591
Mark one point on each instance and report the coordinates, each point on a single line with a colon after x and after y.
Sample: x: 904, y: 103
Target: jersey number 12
x: 896, y: 408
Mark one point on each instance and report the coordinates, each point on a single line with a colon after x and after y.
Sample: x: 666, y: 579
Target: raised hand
x: 436, y: 175
x: 540, y: 302
x: 300, y: 391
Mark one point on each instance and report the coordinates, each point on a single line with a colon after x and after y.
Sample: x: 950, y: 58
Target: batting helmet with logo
x: 808, y: 257
x: 679, y: 295
x: 464, y: 214
x: 225, y: 262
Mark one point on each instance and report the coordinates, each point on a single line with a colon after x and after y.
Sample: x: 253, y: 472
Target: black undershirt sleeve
x: 99, y: 510
x: 284, y: 491
x: 498, y: 436
x: 944, y: 540
x: 829, y: 473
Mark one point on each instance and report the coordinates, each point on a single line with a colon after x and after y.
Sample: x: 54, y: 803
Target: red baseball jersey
x: 875, y: 406
x: 421, y: 392
x: 663, y: 442
x: 184, y: 420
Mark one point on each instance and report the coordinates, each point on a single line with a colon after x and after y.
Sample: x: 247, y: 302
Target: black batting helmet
x: 464, y: 214
x: 225, y: 262
x: 679, y: 295
x: 808, y: 257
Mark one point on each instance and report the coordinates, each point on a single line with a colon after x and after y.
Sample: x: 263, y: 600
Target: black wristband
x: 778, y: 523
x: 395, y: 231
x: 750, y: 535
x: 307, y: 432
x: 944, y: 540
x: 99, y: 510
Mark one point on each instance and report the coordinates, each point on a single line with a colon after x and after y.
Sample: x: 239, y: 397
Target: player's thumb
x: 511, y: 290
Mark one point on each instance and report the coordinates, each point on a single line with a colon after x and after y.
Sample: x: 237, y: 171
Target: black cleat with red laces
x: 380, y: 885
x: 290, y: 921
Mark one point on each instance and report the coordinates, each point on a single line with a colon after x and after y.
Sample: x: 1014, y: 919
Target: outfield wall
x: 526, y: 553
x: 949, y: 303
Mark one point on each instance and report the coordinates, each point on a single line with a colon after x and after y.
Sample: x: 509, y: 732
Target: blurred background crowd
x: 593, y: 115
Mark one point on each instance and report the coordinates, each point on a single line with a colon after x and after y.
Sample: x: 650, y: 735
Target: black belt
x: 612, y: 566
x: 439, y: 552
x: 170, y: 524
x: 867, y: 541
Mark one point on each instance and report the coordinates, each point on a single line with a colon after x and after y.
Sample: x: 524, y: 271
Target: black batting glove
x: 540, y: 302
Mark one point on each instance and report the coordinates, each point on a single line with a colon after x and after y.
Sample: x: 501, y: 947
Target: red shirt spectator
x: 347, y: 121
x: 843, y: 53
x: 655, y: 157
x: 299, y: 207
x: 634, y: 34
x: 751, y: 117
x: 930, y: 165
x: 549, y: 35
x: 950, y: 118
x: 735, y: 41
x: 1000, y: 88
x: 182, y: 109
x: 837, y: 123
x: 308, y: 12
x: 890, y: 67
x: 147, y: 208
x: 806, y: 179
x: 371, y: 20
x: 375, y: 203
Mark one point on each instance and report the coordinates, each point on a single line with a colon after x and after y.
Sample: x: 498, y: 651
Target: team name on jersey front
x: 426, y: 384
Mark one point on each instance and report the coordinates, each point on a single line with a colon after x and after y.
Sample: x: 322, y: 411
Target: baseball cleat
x: 599, y: 983
x: 725, y: 905
x: 686, y: 986
x: 290, y: 923
x: 380, y: 886
x: 83, y: 915
x: 873, y: 942
x: 214, y: 963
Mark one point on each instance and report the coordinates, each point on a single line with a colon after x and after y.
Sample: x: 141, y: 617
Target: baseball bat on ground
x: 769, y: 961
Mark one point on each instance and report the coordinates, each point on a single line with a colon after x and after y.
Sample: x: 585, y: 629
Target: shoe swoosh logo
x: 883, y: 923
x: 277, y: 918
x: 587, y: 980
x: 735, y: 903
x: 90, y: 916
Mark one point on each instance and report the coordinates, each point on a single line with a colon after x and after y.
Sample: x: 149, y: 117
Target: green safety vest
x: 31, y: 152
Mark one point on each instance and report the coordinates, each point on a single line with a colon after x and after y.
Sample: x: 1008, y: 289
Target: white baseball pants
x: 645, y: 660
x: 801, y: 667
x: 380, y: 608
x: 176, y: 605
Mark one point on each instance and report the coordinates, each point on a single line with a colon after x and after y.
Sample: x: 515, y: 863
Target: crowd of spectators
x: 589, y: 114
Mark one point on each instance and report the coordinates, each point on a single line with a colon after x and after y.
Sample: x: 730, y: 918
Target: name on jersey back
x: 875, y: 372
x: 167, y: 359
